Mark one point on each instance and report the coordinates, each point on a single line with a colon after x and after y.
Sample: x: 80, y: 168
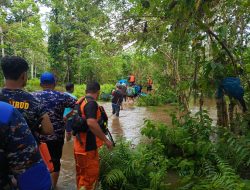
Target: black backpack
x: 79, y: 124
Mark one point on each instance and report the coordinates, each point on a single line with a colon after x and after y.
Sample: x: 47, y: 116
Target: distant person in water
x: 131, y: 80
x: 117, y: 99
x: 130, y: 93
x: 149, y: 84
x: 124, y: 91
x: 69, y: 90
x: 55, y: 102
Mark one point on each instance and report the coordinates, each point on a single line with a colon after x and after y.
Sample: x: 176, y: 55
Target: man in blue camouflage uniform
x: 19, y: 151
x: 15, y: 72
x: 55, y: 102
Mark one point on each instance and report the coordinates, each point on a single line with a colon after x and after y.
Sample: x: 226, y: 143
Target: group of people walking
x: 28, y: 120
x: 127, y: 89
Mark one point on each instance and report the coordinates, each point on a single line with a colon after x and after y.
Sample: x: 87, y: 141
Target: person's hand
x: 109, y: 144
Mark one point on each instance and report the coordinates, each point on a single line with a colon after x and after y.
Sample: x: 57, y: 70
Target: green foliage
x: 107, y: 88
x: 194, y: 156
x: 126, y: 168
x: 79, y: 90
x: 33, y: 85
x: 149, y: 100
x: 202, y: 156
x: 23, y: 34
x: 158, y: 98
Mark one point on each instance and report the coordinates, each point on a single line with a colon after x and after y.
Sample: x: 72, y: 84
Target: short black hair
x: 93, y: 87
x: 13, y: 67
x: 69, y: 86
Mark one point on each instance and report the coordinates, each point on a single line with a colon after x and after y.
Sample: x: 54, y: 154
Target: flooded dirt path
x: 128, y: 126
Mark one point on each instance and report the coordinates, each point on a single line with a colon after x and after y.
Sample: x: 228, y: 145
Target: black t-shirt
x: 117, y: 97
x: 90, y: 109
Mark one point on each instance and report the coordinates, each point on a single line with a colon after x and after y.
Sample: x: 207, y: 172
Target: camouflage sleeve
x: 39, y: 108
x: 68, y: 101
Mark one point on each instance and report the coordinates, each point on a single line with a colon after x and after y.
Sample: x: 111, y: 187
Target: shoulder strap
x: 6, y: 112
x: 84, y: 99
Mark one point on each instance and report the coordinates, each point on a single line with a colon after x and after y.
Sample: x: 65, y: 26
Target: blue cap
x: 47, y: 78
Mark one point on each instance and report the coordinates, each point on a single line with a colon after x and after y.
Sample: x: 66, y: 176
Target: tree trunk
x: 182, y: 95
x: 201, y: 102
x: 183, y: 99
x: 232, y: 105
x: 222, y: 115
x: 35, y: 71
x: 2, y: 41
x: 32, y: 70
x: 32, y: 67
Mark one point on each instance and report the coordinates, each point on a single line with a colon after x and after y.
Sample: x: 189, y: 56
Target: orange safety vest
x: 150, y: 81
x: 132, y: 78
x: 81, y: 144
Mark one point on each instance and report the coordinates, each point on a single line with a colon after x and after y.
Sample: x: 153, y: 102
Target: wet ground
x: 128, y: 125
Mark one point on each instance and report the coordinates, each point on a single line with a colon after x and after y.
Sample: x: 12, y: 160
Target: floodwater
x: 128, y: 126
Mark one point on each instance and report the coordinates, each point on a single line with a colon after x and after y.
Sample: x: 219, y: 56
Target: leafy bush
x: 186, y: 149
x: 149, y: 100
x: 197, y: 160
x: 107, y: 88
x: 106, y: 91
x: 79, y: 90
x: 127, y: 168
x: 33, y: 85
x: 158, y: 98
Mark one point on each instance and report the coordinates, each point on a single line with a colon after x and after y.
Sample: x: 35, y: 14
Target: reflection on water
x: 128, y: 125
x: 116, y: 127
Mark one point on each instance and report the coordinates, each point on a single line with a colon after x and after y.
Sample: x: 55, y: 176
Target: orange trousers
x: 87, y: 170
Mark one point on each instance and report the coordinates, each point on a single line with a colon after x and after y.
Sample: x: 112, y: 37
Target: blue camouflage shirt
x: 27, y: 104
x: 55, y: 102
x: 18, y: 144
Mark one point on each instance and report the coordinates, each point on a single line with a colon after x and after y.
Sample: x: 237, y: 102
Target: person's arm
x: 46, y: 125
x: 42, y: 115
x: 68, y: 101
x: 96, y: 129
x: 90, y: 110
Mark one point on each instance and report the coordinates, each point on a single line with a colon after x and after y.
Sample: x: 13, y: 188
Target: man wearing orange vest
x: 131, y: 79
x: 86, y: 143
x: 149, y: 84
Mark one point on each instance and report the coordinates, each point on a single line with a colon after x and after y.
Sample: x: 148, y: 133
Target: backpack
x: 103, y: 122
x: 79, y: 124
x: 130, y: 91
x: 232, y: 87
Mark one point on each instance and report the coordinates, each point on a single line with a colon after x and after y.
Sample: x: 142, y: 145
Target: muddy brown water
x: 128, y: 126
